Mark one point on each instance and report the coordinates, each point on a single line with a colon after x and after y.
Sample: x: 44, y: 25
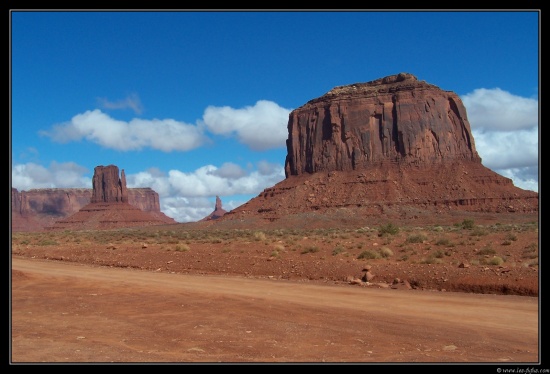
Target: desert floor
x: 455, y: 293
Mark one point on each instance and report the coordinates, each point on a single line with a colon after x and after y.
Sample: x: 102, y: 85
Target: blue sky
x: 195, y: 104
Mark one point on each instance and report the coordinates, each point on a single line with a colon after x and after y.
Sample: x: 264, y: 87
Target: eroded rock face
x: 108, y: 186
x: 396, y: 119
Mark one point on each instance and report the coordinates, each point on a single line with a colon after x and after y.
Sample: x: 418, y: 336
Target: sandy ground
x: 63, y: 312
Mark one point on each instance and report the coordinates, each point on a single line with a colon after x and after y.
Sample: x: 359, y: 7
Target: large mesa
x: 394, y: 147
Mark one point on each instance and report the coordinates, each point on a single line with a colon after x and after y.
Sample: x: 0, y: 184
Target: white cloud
x: 206, y: 181
x: 504, y: 150
x: 59, y: 175
x: 165, y: 135
x: 184, y: 195
x: 506, y: 133
x: 498, y: 110
x: 184, y: 209
x: 229, y: 170
x: 262, y: 126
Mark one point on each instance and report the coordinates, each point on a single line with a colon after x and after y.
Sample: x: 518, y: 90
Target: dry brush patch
x: 464, y: 256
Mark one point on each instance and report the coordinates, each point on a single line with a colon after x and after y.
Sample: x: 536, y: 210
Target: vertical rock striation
x: 108, y: 187
x: 396, y: 119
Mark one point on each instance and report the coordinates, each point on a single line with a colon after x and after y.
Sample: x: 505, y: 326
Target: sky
x: 195, y: 104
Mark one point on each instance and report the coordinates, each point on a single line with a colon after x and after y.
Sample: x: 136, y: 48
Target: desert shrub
x: 468, y: 224
x: 368, y: 255
x: 386, y: 252
x: 416, y: 238
x: 279, y: 247
x: 438, y: 229
x: 495, y: 261
x: 259, y: 236
x: 182, y: 248
x: 486, y: 251
x: 403, y: 258
x: 478, y: 231
x: 337, y: 250
x: 510, y: 237
x: 388, y: 229
x: 310, y: 249
x: 438, y: 254
x: 506, y: 242
x: 443, y: 241
x: 531, y: 251
x: 274, y: 254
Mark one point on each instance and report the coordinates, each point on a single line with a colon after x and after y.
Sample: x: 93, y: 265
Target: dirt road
x: 65, y: 312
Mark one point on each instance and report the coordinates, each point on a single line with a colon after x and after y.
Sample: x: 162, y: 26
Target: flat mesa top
x: 389, y: 84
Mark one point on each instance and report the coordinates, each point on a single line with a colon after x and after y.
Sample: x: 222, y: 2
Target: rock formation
x: 218, y: 211
x: 397, y: 119
x: 109, y: 207
x: 107, y: 186
x: 393, y: 147
x: 35, y: 209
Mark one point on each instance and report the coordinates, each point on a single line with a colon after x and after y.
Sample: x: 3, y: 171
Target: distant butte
x: 109, y: 207
x: 394, y: 147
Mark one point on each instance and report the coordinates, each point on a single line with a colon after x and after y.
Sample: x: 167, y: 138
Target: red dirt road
x: 65, y: 312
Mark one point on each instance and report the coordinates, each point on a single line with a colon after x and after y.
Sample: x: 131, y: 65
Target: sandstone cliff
x: 393, y: 147
x: 396, y: 119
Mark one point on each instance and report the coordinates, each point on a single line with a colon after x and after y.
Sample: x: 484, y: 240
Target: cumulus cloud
x: 229, y: 170
x: 498, y: 110
x: 260, y: 127
x: 506, y: 133
x: 95, y: 126
x: 58, y: 175
x: 505, y: 150
x: 184, y: 195
x: 205, y: 181
x: 132, y: 101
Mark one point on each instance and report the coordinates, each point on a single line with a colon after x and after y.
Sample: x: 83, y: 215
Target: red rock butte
x: 394, y: 147
x: 109, y: 207
x: 218, y: 211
